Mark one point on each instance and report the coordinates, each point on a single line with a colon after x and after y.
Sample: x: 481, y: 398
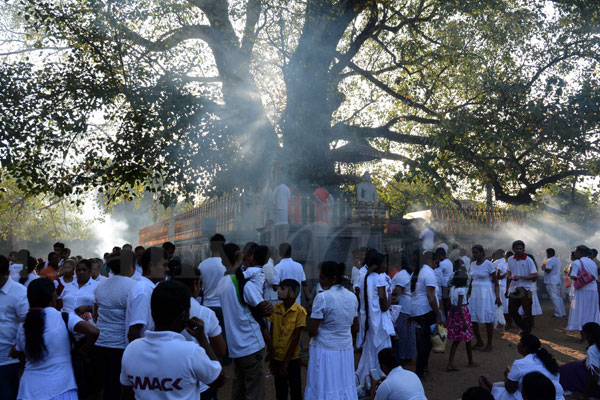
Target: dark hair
x: 67, y: 250
x: 173, y: 264
x: 115, y: 262
x: 52, y: 254
x: 477, y: 393
x: 169, y: 299
x: 387, y: 357
x: 460, y: 279
x: 59, y: 245
x: 28, y: 268
x: 291, y: 284
x: 508, y: 254
x: 39, y: 294
x: 85, y: 262
x: 331, y: 269
x: 583, y: 250
x: 594, y: 253
x: 533, y: 346
x: 592, y: 329
x: 231, y: 250
x: 216, y: 242
x: 152, y: 255
x: 3, y: 266
x: 168, y: 246
x: 285, y: 250
x: 127, y: 246
x: 537, y: 386
x: 457, y: 264
x: 440, y: 252
x: 139, y: 248
x: 378, y: 260
x: 427, y: 257
x: 517, y: 243
x: 186, y: 274
x: 479, y: 248
x: 498, y: 254
x: 550, y: 252
x: 261, y: 255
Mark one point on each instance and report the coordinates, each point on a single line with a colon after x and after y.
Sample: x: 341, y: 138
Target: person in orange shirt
x: 51, y: 271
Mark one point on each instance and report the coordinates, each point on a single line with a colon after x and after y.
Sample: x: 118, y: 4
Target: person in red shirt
x: 51, y: 271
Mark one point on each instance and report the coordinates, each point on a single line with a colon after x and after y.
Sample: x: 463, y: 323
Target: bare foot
x: 488, y: 349
x: 473, y: 365
x: 451, y: 368
x: 478, y: 345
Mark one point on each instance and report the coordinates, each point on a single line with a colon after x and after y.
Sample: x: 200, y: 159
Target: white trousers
x: 554, y: 293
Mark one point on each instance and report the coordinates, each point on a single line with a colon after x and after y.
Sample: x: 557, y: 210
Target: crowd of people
x: 143, y: 323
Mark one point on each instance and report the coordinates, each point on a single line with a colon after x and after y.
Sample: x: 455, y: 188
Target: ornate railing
x: 474, y: 220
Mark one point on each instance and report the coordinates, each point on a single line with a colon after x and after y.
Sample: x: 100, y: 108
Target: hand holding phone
x: 195, y: 327
x: 375, y: 374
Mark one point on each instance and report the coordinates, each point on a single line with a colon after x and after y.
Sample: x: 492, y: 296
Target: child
x: 287, y: 321
x: 460, y: 328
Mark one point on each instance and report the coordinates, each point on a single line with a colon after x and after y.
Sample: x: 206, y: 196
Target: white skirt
x: 482, y: 304
x: 584, y: 309
x: 330, y: 374
x: 504, y: 298
x: 368, y: 358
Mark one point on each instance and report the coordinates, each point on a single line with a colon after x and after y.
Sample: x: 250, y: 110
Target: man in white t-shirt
x: 427, y: 237
x: 139, y: 253
x: 138, y: 316
x: 523, y: 274
x: 443, y: 273
x: 14, y: 306
x: 553, y: 283
x: 163, y: 364
x: 290, y: 269
x: 399, y: 383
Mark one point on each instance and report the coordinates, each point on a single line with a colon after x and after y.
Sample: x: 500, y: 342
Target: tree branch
x: 171, y: 39
x: 253, y: 9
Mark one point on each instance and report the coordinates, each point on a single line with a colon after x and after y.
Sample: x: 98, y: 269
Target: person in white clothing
x: 405, y: 344
x: 552, y: 281
x: 443, y: 274
x: 97, y: 265
x: 424, y: 309
x: 427, y: 236
x: 44, y: 340
x: 138, y: 316
x: 269, y: 272
x: 290, y: 269
x: 522, y: 277
x: 163, y: 364
x: 139, y: 253
x: 535, y: 359
x: 281, y: 197
x: 483, y: 295
x: 374, y: 304
x: 14, y: 306
x: 398, y: 384
x: 78, y: 296
x: 16, y: 262
x: 111, y: 305
x: 584, y: 306
x: 334, y: 318
x: 501, y: 265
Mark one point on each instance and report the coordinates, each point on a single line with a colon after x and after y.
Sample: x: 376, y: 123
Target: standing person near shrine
x: 290, y: 269
x: 405, y: 346
x: 553, y: 283
x: 484, y: 296
x: 443, y: 273
x: 51, y: 270
x: 584, y: 306
x: 427, y: 236
x: 14, y: 306
x: 522, y: 277
x: 334, y: 318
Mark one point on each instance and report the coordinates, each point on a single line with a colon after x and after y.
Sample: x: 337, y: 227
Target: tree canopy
x: 193, y: 96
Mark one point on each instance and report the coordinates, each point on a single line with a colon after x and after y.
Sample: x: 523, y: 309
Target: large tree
x: 207, y: 95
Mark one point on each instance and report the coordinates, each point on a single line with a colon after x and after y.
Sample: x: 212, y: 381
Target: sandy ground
x: 450, y: 385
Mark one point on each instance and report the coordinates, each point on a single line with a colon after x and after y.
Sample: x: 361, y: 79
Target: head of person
x: 58, y: 247
x: 66, y: 253
x: 96, y: 267
x: 478, y: 253
x: 530, y: 344
x: 155, y: 264
x: 518, y: 247
x: 573, y: 256
x: 139, y: 252
x: 288, y: 290
x: 274, y: 254
x: 331, y: 273
x: 440, y: 254
x: 170, y: 306
x: 460, y: 279
x: 590, y: 332
x: 83, y: 271
x: 387, y: 360
x: 53, y: 260
x: 169, y: 248
x: 285, y: 250
x: 189, y: 276
x: 462, y: 252
x: 537, y: 386
x: 122, y: 264
x: 4, y: 268
x: 127, y: 246
x: 248, y: 251
x: 395, y: 261
x: 427, y: 258
x: 68, y: 268
x: 508, y: 255
x: 116, y: 251
x: 458, y: 264
x: 376, y: 263
x: 454, y: 246
x: 261, y: 255
x: 477, y: 393
x: 40, y: 294
x: 582, y: 251
x: 550, y: 252
x: 217, y: 241
x: 594, y: 253
x: 498, y: 254
x: 357, y: 258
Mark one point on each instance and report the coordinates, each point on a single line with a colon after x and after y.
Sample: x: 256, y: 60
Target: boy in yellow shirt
x: 287, y: 321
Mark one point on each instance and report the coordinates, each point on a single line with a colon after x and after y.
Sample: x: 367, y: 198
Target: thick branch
x: 252, y: 14
x: 349, y: 132
x: 171, y: 39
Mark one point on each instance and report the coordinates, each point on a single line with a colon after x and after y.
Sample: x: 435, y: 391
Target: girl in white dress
x: 374, y: 301
x: 584, y: 307
x: 484, y: 296
x: 334, y: 317
x: 535, y: 359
